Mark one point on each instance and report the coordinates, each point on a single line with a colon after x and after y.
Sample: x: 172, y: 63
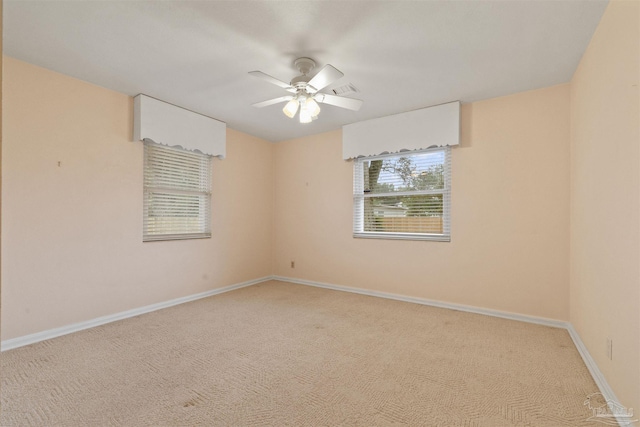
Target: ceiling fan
x: 306, y: 91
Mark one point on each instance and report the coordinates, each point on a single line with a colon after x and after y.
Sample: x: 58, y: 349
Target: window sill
x: 165, y: 237
x: 403, y: 236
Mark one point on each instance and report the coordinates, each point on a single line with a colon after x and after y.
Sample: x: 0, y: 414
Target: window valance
x: 173, y: 126
x: 436, y: 126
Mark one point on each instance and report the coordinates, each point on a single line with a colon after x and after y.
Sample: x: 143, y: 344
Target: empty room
x: 320, y: 213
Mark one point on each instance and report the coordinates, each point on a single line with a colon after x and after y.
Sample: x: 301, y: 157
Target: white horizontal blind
x: 403, y: 196
x: 177, y: 194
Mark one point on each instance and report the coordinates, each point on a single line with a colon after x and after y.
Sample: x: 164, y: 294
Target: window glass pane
x: 404, y: 173
x: 404, y: 214
x: 403, y: 196
x: 177, y: 194
x: 170, y: 168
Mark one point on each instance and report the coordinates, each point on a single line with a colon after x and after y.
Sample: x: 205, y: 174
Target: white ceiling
x: 401, y: 55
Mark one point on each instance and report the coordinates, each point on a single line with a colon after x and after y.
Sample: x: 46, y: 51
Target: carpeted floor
x: 281, y: 354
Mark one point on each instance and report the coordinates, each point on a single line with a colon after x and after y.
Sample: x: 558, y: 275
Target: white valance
x: 167, y: 124
x: 415, y: 130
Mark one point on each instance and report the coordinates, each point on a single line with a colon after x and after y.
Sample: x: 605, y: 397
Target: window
x: 403, y: 196
x: 177, y: 194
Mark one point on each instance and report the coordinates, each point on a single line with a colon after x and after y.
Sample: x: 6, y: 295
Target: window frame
x: 359, y: 196
x: 203, y: 229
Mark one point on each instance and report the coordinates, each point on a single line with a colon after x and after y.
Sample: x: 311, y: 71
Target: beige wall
x: 1, y: 68
x: 605, y: 199
x: 510, y: 209
x: 72, y: 209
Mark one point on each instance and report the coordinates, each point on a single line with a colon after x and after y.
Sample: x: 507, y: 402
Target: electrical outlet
x: 293, y: 264
x: 609, y: 348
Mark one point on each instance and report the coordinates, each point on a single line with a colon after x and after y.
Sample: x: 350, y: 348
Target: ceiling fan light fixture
x: 291, y: 108
x: 305, y: 114
x: 313, y: 107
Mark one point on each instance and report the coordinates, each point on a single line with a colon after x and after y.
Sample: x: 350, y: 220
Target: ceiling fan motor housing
x: 300, y: 82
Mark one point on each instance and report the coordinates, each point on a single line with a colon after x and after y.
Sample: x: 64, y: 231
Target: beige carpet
x: 282, y: 354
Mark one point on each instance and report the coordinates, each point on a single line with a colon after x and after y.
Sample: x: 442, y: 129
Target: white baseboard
x: 598, y: 377
x: 595, y: 372
x: 459, y: 307
x: 75, y: 327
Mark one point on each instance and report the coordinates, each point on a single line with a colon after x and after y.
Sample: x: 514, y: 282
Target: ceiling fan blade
x: 272, y: 80
x: 272, y: 101
x: 325, y: 77
x: 339, y: 101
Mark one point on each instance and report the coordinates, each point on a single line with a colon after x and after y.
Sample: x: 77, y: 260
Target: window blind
x: 177, y: 194
x: 403, y: 196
